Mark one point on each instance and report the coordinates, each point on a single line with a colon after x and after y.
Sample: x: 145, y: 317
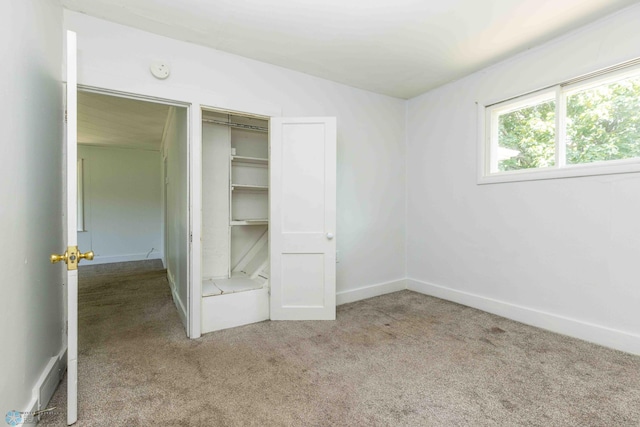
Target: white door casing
x: 302, y: 218
x: 71, y: 214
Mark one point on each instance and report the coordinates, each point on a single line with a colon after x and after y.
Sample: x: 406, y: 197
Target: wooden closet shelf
x: 249, y: 222
x: 252, y: 160
x: 249, y: 187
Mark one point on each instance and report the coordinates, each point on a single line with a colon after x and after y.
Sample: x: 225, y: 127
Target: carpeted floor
x: 402, y: 359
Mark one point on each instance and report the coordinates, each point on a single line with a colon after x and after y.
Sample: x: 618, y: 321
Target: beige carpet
x: 402, y: 359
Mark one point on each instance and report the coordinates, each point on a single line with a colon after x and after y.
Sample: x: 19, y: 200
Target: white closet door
x: 302, y: 218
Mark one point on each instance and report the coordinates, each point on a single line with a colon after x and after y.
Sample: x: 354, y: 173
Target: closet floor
x: 212, y: 287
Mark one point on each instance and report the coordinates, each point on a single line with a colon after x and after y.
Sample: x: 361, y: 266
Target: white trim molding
x: 370, y: 291
x: 608, y: 337
x: 182, y: 311
x: 47, y: 383
x: 109, y: 259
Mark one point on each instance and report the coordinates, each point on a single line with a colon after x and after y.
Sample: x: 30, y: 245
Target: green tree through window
x: 526, y: 137
x: 603, y: 123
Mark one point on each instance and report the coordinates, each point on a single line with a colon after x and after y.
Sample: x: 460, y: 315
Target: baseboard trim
x: 370, y: 291
x: 48, y: 382
x: 608, y: 337
x: 182, y: 312
x: 109, y: 259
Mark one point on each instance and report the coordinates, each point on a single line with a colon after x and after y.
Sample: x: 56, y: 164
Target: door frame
x: 192, y: 317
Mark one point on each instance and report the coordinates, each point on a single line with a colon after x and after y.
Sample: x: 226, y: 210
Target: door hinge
x: 191, y: 237
x: 66, y: 116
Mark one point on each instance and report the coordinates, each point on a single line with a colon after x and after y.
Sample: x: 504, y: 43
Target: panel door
x: 302, y: 220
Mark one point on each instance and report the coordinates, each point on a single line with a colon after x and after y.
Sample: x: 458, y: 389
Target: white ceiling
x: 400, y: 48
x: 120, y: 122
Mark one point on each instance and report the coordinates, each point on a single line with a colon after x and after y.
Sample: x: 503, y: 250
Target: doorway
x: 133, y: 185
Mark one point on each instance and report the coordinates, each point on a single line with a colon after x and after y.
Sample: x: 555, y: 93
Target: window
x: 587, y: 126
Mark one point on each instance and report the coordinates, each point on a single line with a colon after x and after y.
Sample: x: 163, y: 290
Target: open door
x: 302, y: 218
x: 71, y: 257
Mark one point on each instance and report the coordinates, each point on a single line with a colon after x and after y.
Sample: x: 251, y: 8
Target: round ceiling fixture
x: 160, y: 70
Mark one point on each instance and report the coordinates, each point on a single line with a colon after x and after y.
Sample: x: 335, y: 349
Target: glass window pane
x: 526, y: 137
x: 603, y: 123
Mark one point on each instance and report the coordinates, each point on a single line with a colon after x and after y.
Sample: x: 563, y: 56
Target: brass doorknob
x: 71, y: 257
x: 87, y: 255
x: 57, y: 258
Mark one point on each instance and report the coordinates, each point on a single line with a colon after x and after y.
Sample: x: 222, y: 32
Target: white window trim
x: 487, y: 143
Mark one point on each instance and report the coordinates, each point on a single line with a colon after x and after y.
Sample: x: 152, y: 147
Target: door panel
x: 303, y: 183
x: 302, y: 218
x: 302, y: 280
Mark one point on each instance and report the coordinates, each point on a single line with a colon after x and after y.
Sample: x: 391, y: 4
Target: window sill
x: 574, y: 171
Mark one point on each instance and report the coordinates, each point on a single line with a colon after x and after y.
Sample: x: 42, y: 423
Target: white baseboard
x: 48, y: 382
x: 109, y: 259
x: 370, y: 291
x: 182, y: 311
x: 597, y: 334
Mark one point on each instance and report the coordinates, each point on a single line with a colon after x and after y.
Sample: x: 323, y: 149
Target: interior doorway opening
x: 133, y: 187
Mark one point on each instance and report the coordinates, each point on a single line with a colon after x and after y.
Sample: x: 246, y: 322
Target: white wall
x: 371, y: 158
x: 31, y: 326
x: 562, y: 254
x: 123, y: 206
x: 175, y: 151
x: 215, y: 200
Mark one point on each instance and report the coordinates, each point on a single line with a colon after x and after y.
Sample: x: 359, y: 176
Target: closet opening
x: 235, y: 219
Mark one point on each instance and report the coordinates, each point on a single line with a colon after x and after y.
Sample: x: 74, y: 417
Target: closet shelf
x: 251, y: 160
x: 249, y: 222
x: 249, y: 187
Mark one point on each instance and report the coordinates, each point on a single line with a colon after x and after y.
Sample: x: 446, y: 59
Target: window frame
x: 488, y: 141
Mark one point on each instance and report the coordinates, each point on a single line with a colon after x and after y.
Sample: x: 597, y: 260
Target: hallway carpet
x: 402, y: 359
